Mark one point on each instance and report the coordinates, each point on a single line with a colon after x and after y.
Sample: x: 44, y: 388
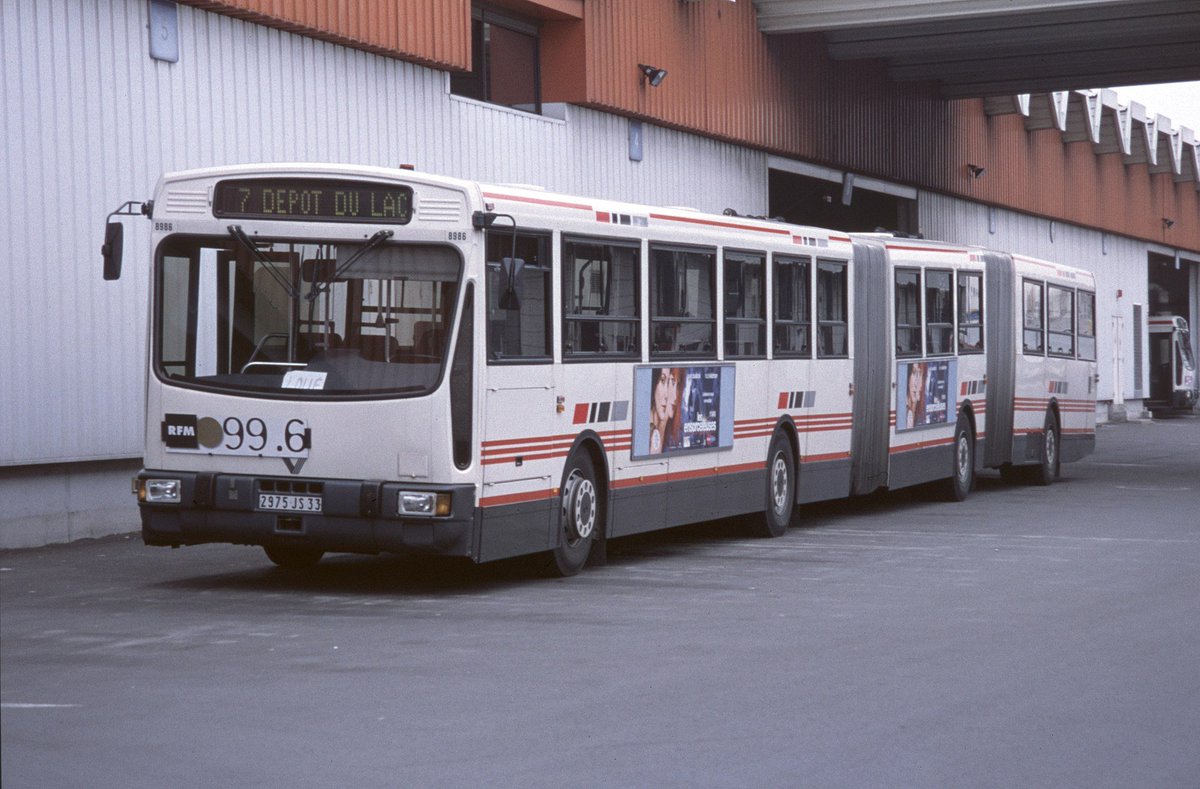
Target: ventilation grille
x: 187, y: 202
x: 439, y: 210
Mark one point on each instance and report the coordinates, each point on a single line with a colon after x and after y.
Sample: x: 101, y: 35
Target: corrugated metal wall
x: 433, y: 32
x: 781, y: 94
x: 784, y: 94
x: 88, y: 120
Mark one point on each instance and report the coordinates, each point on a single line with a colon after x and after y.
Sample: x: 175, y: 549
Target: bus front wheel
x: 781, y: 489
x: 580, y: 516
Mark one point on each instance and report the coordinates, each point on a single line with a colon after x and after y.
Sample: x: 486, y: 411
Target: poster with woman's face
x: 923, y: 393
x: 682, y: 408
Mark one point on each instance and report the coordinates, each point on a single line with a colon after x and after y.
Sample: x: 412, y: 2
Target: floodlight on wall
x: 976, y: 170
x: 652, y: 74
x: 1168, y: 223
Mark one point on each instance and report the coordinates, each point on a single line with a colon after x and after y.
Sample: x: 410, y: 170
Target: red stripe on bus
x: 497, y: 444
x: 713, y: 223
x: 941, y: 250
x: 537, y: 201
x: 676, y: 476
x: 517, y: 498
x: 936, y: 442
x: 828, y: 456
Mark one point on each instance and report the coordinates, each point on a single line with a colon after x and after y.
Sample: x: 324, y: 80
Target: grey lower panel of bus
x: 872, y: 395
x: 358, y: 516
x: 1027, y: 448
x: 824, y: 480
x: 516, y: 529
x: 1002, y: 361
x: 918, y: 466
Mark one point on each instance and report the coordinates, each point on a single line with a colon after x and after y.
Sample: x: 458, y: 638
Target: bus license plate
x: 283, y: 502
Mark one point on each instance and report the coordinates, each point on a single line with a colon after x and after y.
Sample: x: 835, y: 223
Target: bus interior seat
x: 379, y: 347
x: 427, y: 338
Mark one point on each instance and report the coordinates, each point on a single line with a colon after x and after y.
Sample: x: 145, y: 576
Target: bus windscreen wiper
x: 320, y: 287
x: 239, y: 234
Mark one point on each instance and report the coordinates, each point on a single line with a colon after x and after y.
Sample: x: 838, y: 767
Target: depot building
x: 711, y: 104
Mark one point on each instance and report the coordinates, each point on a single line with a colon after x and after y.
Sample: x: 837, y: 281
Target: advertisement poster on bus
x: 682, y: 409
x: 924, y: 393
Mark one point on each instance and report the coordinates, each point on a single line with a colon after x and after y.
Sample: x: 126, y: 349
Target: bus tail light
x: 160, y: 491
x: 426, y: 503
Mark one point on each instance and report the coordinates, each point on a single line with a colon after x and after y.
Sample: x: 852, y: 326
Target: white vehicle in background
x: 1173, y: 379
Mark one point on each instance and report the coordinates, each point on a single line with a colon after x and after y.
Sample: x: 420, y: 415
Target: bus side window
x: 793, y: 306
x: 832, y: 298
x: 908, y: 312
x: 682, y: 314
x: 745, y: 305
x: 600, y: 299
x: 1033, y: 339
x: 939, y: 314
x: 1060, y: 320
x: 1086, y: 323
x: 970, y: 312
x: 518, y: 332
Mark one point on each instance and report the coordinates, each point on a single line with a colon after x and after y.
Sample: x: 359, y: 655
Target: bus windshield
x: 332, y: 319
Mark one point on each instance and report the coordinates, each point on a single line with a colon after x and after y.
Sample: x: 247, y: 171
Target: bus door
x: 520, y: 453
x: 826, y: 473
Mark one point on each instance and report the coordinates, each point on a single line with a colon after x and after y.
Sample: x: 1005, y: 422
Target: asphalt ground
x: 1028, y: 637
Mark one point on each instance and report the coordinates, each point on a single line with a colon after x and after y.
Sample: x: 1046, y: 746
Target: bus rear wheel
x: 1047, y: 470
x: 962, y: 478
x: 580, y: 516
x: 781, y: 489
x: 293, y: 557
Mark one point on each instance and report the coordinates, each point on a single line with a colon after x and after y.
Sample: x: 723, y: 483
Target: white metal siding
x: 88, y: 120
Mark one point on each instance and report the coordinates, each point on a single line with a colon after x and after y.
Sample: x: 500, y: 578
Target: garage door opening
x: 822, y: 202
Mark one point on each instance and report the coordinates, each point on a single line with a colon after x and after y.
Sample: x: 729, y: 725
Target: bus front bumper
x: 338, y: 516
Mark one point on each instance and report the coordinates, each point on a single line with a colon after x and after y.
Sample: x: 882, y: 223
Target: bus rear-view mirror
x: 114, y: 243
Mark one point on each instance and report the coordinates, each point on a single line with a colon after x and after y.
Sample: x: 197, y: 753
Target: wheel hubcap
x: 1051, y: 446
x: 964, y: 458
x: 779, y: 484
x: 579, y: 507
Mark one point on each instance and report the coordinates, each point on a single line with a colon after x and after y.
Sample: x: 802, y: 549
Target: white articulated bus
x: 356, y: 359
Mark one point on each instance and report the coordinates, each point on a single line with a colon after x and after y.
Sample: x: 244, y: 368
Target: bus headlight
x: 160, y: 491
x: 427, y: 503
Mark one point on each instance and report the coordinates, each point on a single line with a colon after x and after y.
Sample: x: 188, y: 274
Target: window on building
x: 970, y: 312
x: 505, y: 67
x: 518, y: 297
x: 939, y: 313
x: 832, y: 335
x: 1087, y: 325
x: 908, y: 312
x: 793, y: 306
x: 1060, y: 320
x: 600, y: 299
x: 1033, y: 341
x: 745, y: 305
x: 682, y: 318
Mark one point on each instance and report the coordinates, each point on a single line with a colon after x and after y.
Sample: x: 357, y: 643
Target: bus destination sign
x: 313, y: 199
